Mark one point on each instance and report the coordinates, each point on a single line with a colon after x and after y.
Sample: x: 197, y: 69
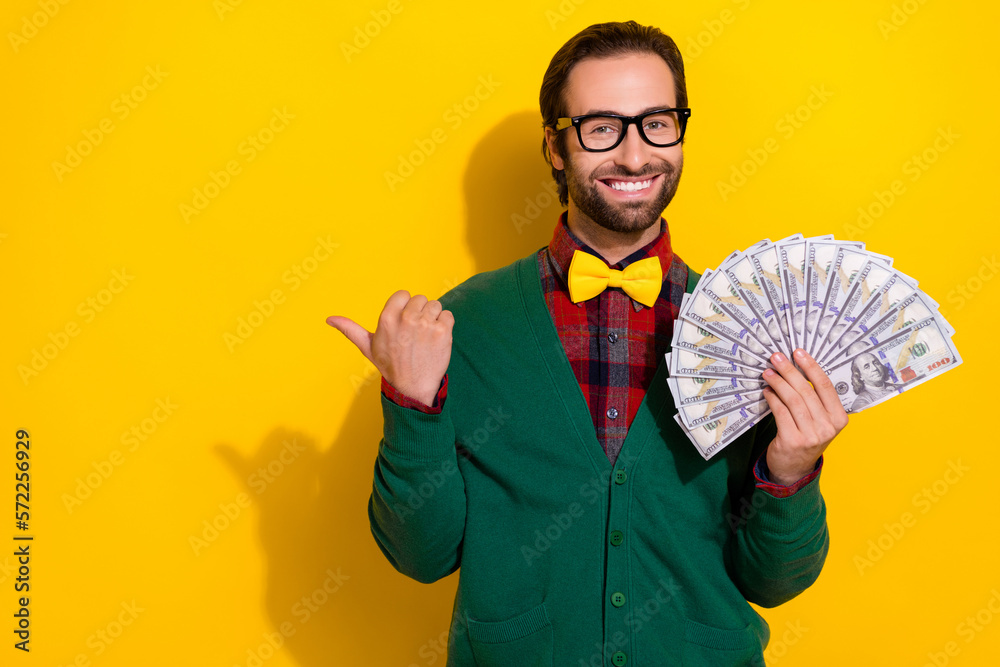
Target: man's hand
x: 411, y: 346
x: 808, y: 416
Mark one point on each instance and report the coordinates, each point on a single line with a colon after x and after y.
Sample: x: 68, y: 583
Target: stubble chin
x: 625, y: 216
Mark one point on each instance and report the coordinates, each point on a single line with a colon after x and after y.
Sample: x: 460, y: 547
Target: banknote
x: 793, y: 282
x: 908, y: 357
x: 713, y: 436
x: 858, y: 319
x: 820, y: 256
x: 688, y: 390
x: 684, y: 362
x: 697, y: 414
x: 728, y: 299
x: 913, y: 308
x: 766, y: 264
x: 857, y: 275
x: 792, y: 256
x: 869, y: 326
x: 692, y: 337
x: 744, y: 278
x: 846, y: 264
x: 699, y: 308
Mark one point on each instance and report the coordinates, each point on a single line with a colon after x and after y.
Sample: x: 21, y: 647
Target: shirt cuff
x: 405, y: 401
x: 760, y: 472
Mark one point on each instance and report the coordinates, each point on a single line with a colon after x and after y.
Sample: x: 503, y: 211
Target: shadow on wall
x: 331, y: 596
x: 510, y: 197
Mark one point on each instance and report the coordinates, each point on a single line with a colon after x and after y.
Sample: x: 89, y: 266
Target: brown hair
x: 601, y: 40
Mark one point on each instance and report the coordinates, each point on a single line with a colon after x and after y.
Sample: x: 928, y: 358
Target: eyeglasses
x: 599, y: 132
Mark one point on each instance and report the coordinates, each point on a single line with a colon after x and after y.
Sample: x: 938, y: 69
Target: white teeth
x: 629, y: 186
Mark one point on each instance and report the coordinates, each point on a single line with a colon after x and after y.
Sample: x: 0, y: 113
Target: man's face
x: 627, y: 86
x: 870, y: 369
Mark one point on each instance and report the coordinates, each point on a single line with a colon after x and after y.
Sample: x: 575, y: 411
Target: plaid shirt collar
x: 564, y: 243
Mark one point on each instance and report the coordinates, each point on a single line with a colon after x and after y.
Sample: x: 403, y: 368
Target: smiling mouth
x: 628, y: 186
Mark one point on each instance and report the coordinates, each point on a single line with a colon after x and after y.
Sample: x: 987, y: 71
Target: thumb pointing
x: 354, y: 332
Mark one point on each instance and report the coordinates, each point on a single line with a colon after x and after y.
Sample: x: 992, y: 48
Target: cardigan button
x: 617, y: 537
x: 618, y: 659
x: 620, y: 477
x: 618, y: 599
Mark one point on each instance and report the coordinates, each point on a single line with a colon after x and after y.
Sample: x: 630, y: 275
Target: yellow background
x: 895, y: 75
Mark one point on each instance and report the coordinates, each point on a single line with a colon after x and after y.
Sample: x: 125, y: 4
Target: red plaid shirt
x: 614, y: 343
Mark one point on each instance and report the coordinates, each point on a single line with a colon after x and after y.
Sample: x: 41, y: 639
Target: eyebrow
x: 609, y: 112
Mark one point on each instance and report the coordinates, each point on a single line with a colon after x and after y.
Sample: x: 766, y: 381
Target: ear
x: 550, y: 141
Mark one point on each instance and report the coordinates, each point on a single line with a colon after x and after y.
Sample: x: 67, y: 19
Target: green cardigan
x: 565, y: 558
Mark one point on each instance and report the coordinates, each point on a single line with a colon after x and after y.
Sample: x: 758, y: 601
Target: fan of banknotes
x: 869, y: 327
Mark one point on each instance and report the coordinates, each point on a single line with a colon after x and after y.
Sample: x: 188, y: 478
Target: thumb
x: 354, y: 332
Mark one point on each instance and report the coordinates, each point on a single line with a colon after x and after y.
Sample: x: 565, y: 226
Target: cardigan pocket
x: 707, y: 646
x: 525, y: 639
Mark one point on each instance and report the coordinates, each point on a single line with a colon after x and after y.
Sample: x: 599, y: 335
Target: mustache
x: 665, y: 168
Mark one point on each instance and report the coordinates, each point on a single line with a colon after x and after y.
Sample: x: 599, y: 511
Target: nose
x: 633, y: 151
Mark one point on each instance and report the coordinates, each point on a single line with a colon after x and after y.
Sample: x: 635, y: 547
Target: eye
x: 600, y: 126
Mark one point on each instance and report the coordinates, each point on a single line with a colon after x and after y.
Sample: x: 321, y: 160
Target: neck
x: 611, y: 245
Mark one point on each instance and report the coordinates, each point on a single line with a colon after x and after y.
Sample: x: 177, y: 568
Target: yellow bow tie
x: 589, y: 276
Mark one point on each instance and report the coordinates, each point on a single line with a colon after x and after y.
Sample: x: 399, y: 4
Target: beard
x: 625, y: 216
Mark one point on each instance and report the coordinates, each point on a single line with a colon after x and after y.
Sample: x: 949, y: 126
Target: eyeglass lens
x: 604, y: 131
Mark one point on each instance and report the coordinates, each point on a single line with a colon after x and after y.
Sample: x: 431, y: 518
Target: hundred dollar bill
x: 849, y: 267
x: 700, y: 309
x: 712, y: 437
x: 743, y: 277
x: 695, y: 338
x: 858, y: 319
x: 683, y: 362
x: 819, y: 261
x: 909, y: 357
x: 767, y: 267
x: 688, y: 390
x: 697, y: 414
x: 871, y: 328
x: 732, y: 256
x: 793, y: 280
x: 913, y: 308
x: 868, y: 282
x: 763, y: 243
x: 717, y: 287
x: 792, y: 260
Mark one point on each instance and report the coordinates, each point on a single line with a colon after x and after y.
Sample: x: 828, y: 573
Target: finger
x: 782, y: 417
x: 411, y: 311
x: 354, y: 332
x: 824, y: 388
x: 393, y: 307
x: 790, y: 398
x: 432, y: 309
x: 798, y: 383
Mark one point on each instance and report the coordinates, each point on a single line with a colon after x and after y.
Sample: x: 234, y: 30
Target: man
x: 545, y: 463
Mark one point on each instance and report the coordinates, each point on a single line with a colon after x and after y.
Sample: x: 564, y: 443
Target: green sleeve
x: 417, y: 505
x: 780, y: 544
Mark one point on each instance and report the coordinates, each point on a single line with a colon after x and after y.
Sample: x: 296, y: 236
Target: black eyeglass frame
x: 683, y: 113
